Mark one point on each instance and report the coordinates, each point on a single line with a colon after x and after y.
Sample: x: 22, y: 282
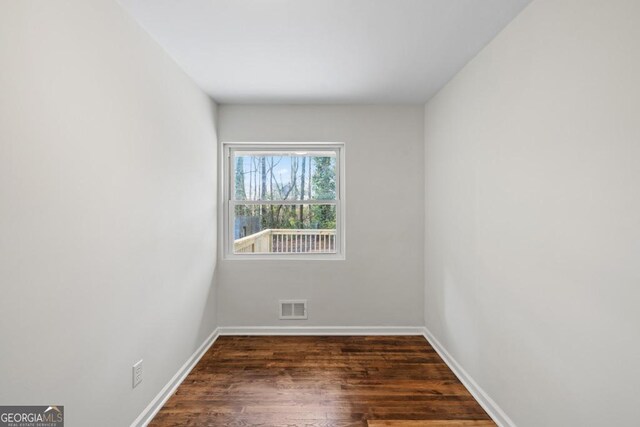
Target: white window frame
x: 228, y: 182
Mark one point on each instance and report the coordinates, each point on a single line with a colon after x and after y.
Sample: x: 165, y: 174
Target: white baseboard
x: 487, y: 403
x: 321, y: 330
x: 167, y: 391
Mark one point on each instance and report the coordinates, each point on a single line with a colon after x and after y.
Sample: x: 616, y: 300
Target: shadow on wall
x: 208, y: 321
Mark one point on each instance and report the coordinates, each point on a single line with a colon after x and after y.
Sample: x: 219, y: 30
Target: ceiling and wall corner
x: 109, y: 227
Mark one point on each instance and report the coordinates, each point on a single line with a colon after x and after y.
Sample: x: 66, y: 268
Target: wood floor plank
x: 430, y: 423
x: 321, y: 382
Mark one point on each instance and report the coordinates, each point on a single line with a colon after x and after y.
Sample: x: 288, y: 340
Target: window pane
x: 284, y: 229
x: 283, y: 175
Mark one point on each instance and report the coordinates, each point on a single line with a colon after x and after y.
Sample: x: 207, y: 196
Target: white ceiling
x: 323, y: 51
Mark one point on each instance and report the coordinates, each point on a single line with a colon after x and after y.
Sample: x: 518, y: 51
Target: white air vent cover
x: 293, y: 309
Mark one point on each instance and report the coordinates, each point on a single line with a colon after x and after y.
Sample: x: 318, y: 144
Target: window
x: 284, y: 200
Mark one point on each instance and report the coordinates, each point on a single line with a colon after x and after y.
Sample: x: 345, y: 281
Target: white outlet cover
x: 137, y: 373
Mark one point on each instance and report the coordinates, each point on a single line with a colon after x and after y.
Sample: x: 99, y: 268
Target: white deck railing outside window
x: 287, y: 241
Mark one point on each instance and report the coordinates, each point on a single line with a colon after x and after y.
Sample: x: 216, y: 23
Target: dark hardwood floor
x: 322, y: 382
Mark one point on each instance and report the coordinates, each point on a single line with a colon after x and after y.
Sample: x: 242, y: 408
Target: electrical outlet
x: 137, y: 373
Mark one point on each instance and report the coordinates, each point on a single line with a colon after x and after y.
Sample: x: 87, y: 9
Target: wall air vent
x: 293, y: 309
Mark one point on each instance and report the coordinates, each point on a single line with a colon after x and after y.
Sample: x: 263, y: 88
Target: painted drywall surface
x: 326, y: 51
x: 381, y: 280
x: 108, y: 211
x: 533, y: 215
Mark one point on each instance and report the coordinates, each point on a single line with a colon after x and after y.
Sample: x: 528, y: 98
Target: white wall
x: 381, y: 280
x: 533, y: 215
x: 108, y: 211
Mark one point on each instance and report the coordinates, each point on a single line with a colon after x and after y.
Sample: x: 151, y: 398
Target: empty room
x: 320, y: 213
